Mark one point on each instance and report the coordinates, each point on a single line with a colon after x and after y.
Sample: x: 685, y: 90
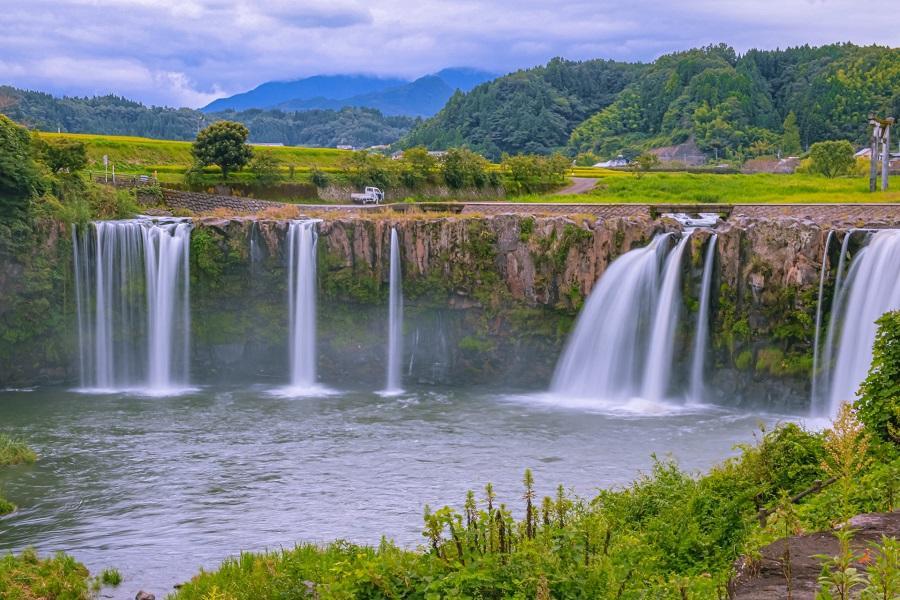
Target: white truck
x: 372, y: 195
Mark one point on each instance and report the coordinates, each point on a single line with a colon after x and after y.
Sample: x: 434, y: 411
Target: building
x: 619, y: 161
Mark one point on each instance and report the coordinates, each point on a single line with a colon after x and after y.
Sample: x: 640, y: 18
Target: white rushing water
x: 815, y: 372
x: 604, y: 355
x: 658, y: 368
x: 302, y: 238
x: 701, y: 332
x: 395, y: 320
x: 871, y: 288
x: 132, y: 286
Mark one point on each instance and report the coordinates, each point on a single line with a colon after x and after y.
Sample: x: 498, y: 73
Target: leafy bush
x: 878, y: 405
x: 265, y: 168
x: 832, y: 159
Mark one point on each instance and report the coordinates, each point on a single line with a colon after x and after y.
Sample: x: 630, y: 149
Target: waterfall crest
x: 701, y: 332
x: 395, y: 320
x: 132, y: 286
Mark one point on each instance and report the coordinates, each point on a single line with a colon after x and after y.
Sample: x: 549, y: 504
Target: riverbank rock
x: 764, y: 579
x: 142, y: 595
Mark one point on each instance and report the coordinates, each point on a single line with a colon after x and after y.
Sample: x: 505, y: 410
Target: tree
x: 20, y: 176
x: 265, y: 168
x: 224, y: 143
x: 62, y: 155
x: 644, y: 162
x: 831, y: 159
x: 790, y: 138
x: 463, y: 168
x: 417, y: 167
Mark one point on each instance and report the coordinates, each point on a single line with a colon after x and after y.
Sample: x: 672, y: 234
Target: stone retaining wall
x: 858, y: 215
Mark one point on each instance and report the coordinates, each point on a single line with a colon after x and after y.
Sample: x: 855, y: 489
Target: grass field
x: 617, y: 186
x: 170, y: 159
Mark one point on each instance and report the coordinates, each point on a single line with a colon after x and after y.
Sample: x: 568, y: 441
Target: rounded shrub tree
x: 224, y: 144
x: 832, y: 159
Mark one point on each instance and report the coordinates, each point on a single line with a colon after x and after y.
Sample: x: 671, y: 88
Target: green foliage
x: 738, y: 106
x: 224, y: 143
x: 14, y: 452
x: 417, y: 167
x: 462, y: 168
x: 20, y: 175
x: 644, y: 162
x: 832, y: 159
x: 29, y: 577
x: 265, y: 168
x: 62, y: 155
x: 111, y: 577
x: 532, y: 111
x: 530, y: 173
x: 112, y: 115
x: 370, y: 169
x: 319, y: 178
x: 878, y: 405
x: 790, y: 136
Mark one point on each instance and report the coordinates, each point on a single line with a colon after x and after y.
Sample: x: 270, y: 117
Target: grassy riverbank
x: 655, y: 187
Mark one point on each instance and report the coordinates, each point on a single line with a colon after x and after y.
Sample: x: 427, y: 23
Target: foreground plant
x: 29, y: 577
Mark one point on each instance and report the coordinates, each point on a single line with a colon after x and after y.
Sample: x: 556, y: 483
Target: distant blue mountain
x: 423, y: 97
x: 272, y: 93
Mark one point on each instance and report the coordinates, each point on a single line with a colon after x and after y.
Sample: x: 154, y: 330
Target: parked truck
x: 372, y: 195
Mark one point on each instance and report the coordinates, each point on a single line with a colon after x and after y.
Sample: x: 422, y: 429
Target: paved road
x: 579, y: 185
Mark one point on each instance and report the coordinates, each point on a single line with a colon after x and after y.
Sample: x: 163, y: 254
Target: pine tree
x: 790, y: 139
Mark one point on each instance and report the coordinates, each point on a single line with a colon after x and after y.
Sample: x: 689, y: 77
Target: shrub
x: 224, y: 143
x: 878, y: 406
x: 29, y: 577
x: 319, y: 178
x: 831, y: 159
x: 265, y: 168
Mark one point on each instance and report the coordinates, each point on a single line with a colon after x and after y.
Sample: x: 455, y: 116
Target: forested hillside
x: 112, y: 115
x: 733, y: 106
x: 737, y: 106
x: 533, y: 110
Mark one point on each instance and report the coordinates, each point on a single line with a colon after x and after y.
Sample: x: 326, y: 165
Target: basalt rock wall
x: 490, y: 299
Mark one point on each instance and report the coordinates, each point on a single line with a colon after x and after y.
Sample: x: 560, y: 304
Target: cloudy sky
x: 188, y: 52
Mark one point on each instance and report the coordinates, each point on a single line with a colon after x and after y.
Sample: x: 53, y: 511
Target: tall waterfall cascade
x: 863, y: 292
x: 132, y: 294
x: 302, y: 288
x: 623, y: 344
x: 701, y: 330
x: 395, y: 320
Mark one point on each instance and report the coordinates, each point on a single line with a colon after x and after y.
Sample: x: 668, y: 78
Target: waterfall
x: 395, y: 319
x: 815, y: 371
x: 872, y: 288
x: 302, y: 237
x: 603, y: 355
x: 657, y: 372
x: 166, y: 257
x: 132, y: 285
x: 701, y: 335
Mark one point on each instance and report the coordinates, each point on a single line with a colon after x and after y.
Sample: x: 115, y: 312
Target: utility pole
x: 886, y: 154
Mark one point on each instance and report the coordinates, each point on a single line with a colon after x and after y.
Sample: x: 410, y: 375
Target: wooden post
x: 873, y: 155
x: 886, y: 153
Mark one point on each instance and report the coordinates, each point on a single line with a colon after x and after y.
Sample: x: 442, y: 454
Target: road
x: 578, y: 185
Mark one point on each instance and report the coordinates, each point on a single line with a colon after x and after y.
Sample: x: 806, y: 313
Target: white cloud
x: 188, y: 51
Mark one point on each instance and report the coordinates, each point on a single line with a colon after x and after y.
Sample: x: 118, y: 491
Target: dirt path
x: 578, y: 185
x: 765, y: 579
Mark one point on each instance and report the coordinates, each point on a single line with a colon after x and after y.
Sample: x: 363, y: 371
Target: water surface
x: 159, y: 487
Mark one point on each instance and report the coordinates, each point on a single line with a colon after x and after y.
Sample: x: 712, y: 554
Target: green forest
x: 735, y: 106
x: 113, y: 115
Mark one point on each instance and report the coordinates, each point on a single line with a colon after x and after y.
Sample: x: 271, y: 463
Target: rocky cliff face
x: 489, y: 299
